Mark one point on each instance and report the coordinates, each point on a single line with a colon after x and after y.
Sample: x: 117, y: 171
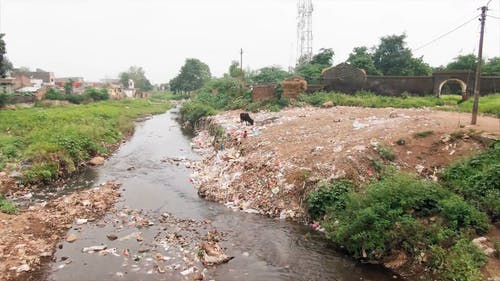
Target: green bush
x: 327, y: 197
x: 193, y: 111
x: 461, y: 262
x: 478, y: 180
x: 3, y: 99
x: 386, y: 153
x: 96, y: 94
x: 53, y: 94
x: 387, y: 216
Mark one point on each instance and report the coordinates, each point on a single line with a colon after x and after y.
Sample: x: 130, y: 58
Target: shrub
x: 53, y: 94
x: 388, y: 216
x: 386, y: 153
x: 328, y: 197
x: 3, y: 99
x: 478, y: 180
x: 96, y: 94
x: 193, y: 111
x: 461, y: 262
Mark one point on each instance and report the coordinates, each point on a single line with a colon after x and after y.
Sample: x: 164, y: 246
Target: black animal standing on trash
x: 244, y: 116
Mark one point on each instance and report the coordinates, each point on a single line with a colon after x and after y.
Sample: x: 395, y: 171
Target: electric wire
x: 445, y: 34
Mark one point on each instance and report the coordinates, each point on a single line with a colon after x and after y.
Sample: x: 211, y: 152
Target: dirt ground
x: 28, y: 239
x: 269, y: 167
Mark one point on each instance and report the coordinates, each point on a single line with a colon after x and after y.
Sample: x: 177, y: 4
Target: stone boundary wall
x: 396, y: 85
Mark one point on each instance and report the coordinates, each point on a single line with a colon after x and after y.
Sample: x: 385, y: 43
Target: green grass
x: 6, y: 206
x: 53, y: 141
x: 488, y: 104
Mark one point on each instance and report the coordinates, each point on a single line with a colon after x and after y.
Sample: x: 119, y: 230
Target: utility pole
x: 241, y: 60
x: 477, y: 82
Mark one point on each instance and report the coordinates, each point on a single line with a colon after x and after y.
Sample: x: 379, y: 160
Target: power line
x: 445, y: 34
x: 498, y: 18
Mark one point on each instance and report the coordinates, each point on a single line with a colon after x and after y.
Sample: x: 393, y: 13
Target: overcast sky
x: 100, y: 38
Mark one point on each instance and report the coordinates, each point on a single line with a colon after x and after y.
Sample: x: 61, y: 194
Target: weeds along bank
x: 43, y: 144
x: 390, y: 186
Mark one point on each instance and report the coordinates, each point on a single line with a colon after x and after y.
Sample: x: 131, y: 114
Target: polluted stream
x: 159, y: 222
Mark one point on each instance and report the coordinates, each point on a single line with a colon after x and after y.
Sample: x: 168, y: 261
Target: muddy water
x: 264, y: 249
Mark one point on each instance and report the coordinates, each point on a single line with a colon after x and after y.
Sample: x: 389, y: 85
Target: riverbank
x: 272, y: 167
x: 28, y: 239
x: 44, y: 146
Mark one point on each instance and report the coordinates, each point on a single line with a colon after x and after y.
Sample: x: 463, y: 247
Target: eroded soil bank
x: 28, y: 239
x: 269, y: 168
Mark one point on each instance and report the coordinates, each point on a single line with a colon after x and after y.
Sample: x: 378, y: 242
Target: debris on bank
x: 28, y: 239
x: 269, y: 167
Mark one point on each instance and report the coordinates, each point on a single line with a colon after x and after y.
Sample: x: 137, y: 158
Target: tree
x: 271, y: 74
x: 463, y: 62
x: 392, y: 57
x: 68, y: 87
x: 5, y: 64
x: 323, y: 58
x: 360, y: 58
x: 492, y: 67
x: 312, y: 71
x: 193, y: 75
x: 138, y: 75
x: 235, y: 70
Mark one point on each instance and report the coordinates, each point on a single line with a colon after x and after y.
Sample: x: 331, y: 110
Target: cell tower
x: 304, y: 31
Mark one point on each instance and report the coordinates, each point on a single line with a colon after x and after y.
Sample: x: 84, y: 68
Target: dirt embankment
x: 270, y: 168
x: 28, y: 239
x: 286, y: 153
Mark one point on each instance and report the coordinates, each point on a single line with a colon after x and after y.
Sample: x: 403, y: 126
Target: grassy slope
x: 48, y: 142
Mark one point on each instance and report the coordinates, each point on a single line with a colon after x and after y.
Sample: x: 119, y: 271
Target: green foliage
x: 193, y: 75
x: 3, y: 99
x: 311, y: 71
x: 388, y: 216
x: 361, y: 58
x: 5, y: 64
x: 53, y: 94
x: 54, y: 141
x: 478, y: 180
x: 68, y: 87
x: 328, y: 197
x: 463, y: 62
x: 7, y: 206
x: 96, y: 94
x: 138, y: 75
x: 235, y: 70
x: 193, y: 111
x: 461, y: 262
x: 392, y: 57
x: 386, y: 153
x: 271, y: 74
x: 492, y: 67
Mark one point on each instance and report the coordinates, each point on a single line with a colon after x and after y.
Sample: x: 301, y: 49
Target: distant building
x: 47, y: 78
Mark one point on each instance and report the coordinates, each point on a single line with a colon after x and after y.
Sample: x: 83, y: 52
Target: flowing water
x: 264, y: 248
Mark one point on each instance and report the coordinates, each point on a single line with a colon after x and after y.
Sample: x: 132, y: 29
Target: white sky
x: 100, y: 38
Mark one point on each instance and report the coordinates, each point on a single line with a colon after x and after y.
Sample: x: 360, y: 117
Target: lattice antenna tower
x: 304, y: 31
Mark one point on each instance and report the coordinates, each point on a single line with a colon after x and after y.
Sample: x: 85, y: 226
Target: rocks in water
x: 71, y: 238
x: 97, y: 161
x: 211, y: 254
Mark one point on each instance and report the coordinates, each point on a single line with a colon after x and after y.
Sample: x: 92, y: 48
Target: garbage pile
x: 32, y: 235
x: 149, y: 243
x: 269, y: 168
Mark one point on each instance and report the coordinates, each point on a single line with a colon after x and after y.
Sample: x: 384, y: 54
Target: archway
x: 463, y: 86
